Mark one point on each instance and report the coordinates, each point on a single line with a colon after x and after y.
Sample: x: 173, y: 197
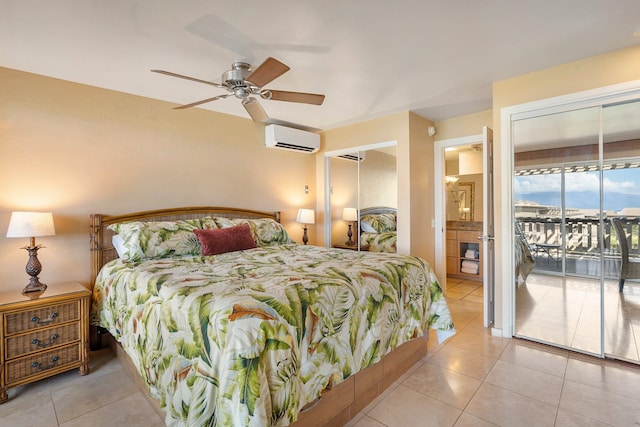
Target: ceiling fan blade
x: 254, y: 109
x: 266, y: 72
x: 204, y: 101
x: 180, y: 76
x: 306, y: 98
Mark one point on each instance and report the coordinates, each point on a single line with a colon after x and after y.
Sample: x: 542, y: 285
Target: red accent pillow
x: 219, y: 241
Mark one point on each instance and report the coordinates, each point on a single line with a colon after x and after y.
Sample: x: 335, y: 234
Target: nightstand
x: 41, y: 336
x: 363, y: 247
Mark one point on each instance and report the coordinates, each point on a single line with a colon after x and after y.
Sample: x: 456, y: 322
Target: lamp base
x: 350, y: 242
x: 305, y: 236
x: 33, y: 268
x: 34, y: 286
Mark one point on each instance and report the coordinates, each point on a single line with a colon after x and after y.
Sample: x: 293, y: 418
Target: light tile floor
x: 566, y: 311
x: 473, y: 379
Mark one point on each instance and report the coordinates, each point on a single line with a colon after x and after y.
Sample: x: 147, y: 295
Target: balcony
x: 581, y: 249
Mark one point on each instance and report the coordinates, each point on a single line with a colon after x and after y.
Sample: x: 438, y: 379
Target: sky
x: 621, y: 189
x: 619, y: 180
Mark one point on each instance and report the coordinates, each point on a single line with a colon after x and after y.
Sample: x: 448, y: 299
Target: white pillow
x: 367, y: 227
x: 118, y: 243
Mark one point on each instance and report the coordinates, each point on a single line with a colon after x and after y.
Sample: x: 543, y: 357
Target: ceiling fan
x: 247, y: 84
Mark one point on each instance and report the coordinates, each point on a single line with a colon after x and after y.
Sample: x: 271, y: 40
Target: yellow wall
x: 420, y: 179
x: 75, y: 150
x: 611, y: 68
x: 378, y: 180
x: 467, y: 125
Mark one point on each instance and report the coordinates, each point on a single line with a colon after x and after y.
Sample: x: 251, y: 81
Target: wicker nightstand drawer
x: 41, y: 317
x: 46, y: 363
x: 43, y: 335
x: 19, y: 345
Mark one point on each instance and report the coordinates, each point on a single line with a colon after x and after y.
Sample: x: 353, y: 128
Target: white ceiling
x: 371, y: 58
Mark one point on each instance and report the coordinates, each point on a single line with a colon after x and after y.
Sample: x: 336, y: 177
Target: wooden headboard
x: 102, y: 250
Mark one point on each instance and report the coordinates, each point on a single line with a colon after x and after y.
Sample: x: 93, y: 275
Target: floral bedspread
x: 380, y: 242
x: 248, y: 338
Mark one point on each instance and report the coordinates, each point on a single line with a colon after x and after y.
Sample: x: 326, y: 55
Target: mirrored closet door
x: 362, y: 197
x: 576, y: 173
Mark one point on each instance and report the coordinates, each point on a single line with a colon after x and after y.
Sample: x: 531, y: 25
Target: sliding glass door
x: 621, y: 200
x: 557, y: 205
x: 574, y: 171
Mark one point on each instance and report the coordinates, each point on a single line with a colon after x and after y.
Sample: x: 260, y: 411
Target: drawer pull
x: 51, y: 318
x: 54, y: 359
x: 37, y: 342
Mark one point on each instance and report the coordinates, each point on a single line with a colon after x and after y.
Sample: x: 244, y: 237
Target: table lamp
x: 32, y: 225
x: 306, y: 216
x: 350, y: 215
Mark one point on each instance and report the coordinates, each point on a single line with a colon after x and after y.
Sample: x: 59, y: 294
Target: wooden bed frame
x: 375, y: 210
x: 336, y: 406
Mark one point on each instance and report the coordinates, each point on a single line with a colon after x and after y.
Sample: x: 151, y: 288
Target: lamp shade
x: 350, y: 214
x: 31, y: 224
x: 306, y: 216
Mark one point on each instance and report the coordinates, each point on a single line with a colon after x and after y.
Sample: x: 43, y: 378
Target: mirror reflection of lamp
x: 306, y: 216
x: 32, y: 225
x: 350, y: 215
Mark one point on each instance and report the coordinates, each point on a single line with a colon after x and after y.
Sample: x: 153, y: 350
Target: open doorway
x: 463, y: 169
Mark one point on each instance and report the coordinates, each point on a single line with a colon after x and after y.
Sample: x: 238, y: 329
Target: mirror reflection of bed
x: 364, y: 180
x: 378, y: 229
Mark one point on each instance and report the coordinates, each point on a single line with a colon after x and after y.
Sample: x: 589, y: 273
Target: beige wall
x: 611, y: 68
x: 422, y: 213
x: 467, y: 125
x: 75, y: 150
x: 378, y: 180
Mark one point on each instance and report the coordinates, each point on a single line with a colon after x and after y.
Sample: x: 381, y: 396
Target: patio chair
x: 629, y: 269
x: 523, y: 254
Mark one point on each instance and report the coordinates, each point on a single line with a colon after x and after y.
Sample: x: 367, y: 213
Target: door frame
x: 504, y: 196
x: 440, y: 202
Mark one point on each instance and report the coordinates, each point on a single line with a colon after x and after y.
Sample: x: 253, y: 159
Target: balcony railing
x: 583, y: 242
x: 582, y: 237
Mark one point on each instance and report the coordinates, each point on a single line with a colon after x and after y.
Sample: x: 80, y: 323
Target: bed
x: 378, y: 228
x: 259, y: 336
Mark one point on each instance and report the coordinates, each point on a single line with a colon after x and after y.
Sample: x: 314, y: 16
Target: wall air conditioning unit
x: 358, y: 156
x: 286, y: 138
